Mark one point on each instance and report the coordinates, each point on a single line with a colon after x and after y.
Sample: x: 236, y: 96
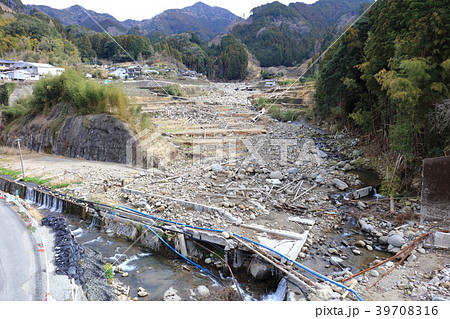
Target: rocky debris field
x: 269, y: 177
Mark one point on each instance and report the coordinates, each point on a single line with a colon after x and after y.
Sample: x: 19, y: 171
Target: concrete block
x: 363, y: 192
x: 441, y: 240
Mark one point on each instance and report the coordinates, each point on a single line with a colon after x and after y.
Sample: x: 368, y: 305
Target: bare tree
x: 440, y: 117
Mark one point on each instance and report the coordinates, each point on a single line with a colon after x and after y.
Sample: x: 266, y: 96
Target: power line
x: 320, y: 57
x: 112, y: 38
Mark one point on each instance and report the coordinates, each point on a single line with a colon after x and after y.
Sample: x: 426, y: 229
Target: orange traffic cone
x: 41, y: 247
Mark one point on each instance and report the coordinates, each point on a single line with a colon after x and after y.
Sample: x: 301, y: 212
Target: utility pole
x: 21, y: 160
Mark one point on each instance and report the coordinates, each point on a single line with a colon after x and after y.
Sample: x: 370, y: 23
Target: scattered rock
x: 142, y: 292
x: 336, y: 261
x: 374, y: 273
x: 171, y: 295
x: 360, y: 243
x: 203, y: 291
x: 396, y: 240
x: 339, y: 184
x: 259, y: 270
x: 217, y: 168
x: 350, y: 282
x: 333, y: 251
x: 273, y: 181
x: 324, y: 294
x: 293, y: 171
x: 276, y: 175
x: 365, y: 227
x: 347, y: 167
x: 322, y: 154
x: 356, y: 252
x: 403, y: 285
x: 419, y: 292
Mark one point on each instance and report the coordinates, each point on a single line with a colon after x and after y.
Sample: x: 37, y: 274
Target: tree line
x: 39, y: 38
x: 389, y: 78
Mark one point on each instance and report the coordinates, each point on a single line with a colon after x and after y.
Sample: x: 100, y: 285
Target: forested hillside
x: 36, y: 38
x: 277, y: 34
x: 228, y: 60
x: 389, y: 78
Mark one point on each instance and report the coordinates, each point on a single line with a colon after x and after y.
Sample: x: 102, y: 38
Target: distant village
x: 30, y: 71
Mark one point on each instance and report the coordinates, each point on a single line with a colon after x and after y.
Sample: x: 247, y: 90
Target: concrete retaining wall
x: 436, y: 189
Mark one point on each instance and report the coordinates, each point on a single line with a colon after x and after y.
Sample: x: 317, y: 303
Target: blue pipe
x: 198, y: 266
x: 169, y: 221
x: 249, y: 240
x: 303, y: 267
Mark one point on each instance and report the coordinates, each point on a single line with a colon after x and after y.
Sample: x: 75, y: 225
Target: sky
x: 146, y: 9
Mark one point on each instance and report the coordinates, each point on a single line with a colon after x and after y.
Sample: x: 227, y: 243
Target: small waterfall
x: 280, y: 293
x: 30, y: 195
x: 43, y: 200
x: 95, y: 222
x: 376, y: 195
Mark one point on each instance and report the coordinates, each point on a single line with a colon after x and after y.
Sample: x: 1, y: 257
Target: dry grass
x: 35, y: 214
x: 6, y: 150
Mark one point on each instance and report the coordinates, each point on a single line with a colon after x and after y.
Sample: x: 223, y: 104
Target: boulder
x: 396, y: 240
x: 374, y: 273
x: 339, y: 184
x: 365, y: 227
x: 360, y: 243
x: 336, y: 261
x: 276, y: 175
x: 259, y: 270
x: 203, y: 291
x: 171, y: 295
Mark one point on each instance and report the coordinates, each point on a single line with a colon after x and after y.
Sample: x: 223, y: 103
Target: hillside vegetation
x: 389, y: 78
x: 71, y: 93
x: 277, y: 34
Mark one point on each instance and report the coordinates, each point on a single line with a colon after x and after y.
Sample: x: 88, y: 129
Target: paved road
x: 20, y: 270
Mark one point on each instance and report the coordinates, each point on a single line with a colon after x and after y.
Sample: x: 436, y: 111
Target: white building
x: 38, y: 68
x: 21, y: 75
x: 120, y: 73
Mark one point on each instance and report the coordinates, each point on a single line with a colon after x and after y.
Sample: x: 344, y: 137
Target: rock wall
x: 99, y: 137
x: 21, y: 91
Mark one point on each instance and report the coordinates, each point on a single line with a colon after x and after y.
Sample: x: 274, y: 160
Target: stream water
x: 157, y: 272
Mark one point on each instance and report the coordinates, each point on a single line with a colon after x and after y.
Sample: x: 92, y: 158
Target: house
x: 134, y: 71
x: 6, y: 64
x: 120, y: 73
x: 38, y: 68
x: 21, y: 75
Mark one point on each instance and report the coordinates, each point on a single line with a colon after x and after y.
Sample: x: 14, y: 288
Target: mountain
x: 286, y: 35
x: 11, y: 5
x: 77, y: 15
x: 199, y: 18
